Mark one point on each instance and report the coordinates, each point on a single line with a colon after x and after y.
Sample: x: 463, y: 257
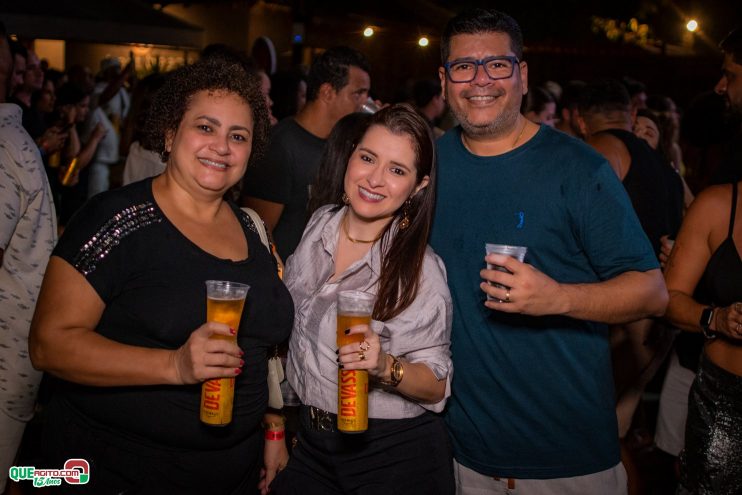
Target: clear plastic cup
x: 517, y: 252
x: 370, y: 106
x: 353, y: 308
x: 225, y: 302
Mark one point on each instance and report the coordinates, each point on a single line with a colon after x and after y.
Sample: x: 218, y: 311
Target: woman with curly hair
x: 121, y: 315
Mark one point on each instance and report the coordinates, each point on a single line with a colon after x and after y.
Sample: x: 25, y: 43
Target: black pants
x: 121, y: 465
x: 394, y: 456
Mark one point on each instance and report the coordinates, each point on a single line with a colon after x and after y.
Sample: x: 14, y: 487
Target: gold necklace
x: 512, y: 146
x: 354, y: 240
x: 523, y: 128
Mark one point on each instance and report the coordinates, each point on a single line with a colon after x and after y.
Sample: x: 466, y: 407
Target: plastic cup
x: 517, y: 252
x: 370, y: 106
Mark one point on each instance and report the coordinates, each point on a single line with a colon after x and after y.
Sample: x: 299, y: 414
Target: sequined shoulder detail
x: 112, y: 232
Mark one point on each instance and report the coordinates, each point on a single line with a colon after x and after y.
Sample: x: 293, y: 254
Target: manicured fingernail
x: 242, y: 353
x: 237, y: 371
x: 337, y: 351
x: 232, y: 331
x: 340, y: 365
x: 347, y: 331
x: 242, y: 363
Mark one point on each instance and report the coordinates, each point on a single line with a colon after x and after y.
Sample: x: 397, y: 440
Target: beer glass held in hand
x: 353, y: 308
x: 224, y: 303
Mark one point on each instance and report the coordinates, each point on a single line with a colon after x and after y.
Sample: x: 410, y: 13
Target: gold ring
x: 365, y: 346
x: 507, y: 296
x: 362, y: 356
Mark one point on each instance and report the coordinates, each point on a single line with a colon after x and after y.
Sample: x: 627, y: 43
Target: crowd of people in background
x: 529, y: 378
x: 99, y: 119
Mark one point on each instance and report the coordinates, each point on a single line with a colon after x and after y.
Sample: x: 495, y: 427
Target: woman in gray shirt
x: 374, y: 240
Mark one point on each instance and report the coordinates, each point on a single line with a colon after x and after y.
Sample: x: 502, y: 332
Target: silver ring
x: 362, y: 356
x: 507, y: 296
x: 365, y: 346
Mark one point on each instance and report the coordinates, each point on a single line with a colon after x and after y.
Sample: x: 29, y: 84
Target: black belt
x: 319, y: 419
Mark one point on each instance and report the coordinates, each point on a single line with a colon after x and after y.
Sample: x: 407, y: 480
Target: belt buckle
x: 320, y: 420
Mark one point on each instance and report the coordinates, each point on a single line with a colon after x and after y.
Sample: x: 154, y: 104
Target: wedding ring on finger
x: 361, y: 356
x: 365, y: 346
x: 507, y: 296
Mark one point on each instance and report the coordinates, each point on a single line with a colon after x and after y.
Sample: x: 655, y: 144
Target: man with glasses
x: 532, y: 406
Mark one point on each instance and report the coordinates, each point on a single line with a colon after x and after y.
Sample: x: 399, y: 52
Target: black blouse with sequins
x: 151, y: 279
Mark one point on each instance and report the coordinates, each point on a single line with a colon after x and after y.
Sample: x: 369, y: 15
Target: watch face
x: 395, y: 373
x: 706, y: 317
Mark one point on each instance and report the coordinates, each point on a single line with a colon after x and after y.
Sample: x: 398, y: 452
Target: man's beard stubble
x: 500, y: 126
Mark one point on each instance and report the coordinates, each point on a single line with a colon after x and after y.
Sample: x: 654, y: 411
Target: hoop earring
x: 405, y: 222
x: 345, y: 199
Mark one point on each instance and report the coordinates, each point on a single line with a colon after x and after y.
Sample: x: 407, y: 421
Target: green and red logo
x: 74, y: 472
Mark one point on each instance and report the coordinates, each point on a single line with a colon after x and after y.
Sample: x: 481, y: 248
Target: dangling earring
x: 405, y: 222
x: 345, y: 199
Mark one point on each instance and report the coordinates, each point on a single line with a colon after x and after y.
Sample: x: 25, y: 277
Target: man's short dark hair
x: 333, y: 67
x: 603, y: 96
x: 425, y: 90
x: 480, y: 21
x: 732, y: 44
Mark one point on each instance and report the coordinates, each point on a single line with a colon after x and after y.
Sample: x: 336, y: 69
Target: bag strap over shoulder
x: 275, y: 367
x: 264, y: 238
x: 259, y: 225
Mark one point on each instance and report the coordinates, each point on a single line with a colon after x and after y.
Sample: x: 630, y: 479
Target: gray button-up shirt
x: 420, y: 334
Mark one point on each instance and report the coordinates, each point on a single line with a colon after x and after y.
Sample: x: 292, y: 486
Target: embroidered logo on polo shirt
x: 521, y: 219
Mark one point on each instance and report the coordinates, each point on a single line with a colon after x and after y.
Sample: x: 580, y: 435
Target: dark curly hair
x: 171, y: 102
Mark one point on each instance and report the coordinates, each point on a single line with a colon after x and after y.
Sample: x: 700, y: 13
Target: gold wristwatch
x: 396, y: 372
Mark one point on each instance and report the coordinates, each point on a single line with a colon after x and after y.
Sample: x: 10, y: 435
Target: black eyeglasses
x: 465, y: 70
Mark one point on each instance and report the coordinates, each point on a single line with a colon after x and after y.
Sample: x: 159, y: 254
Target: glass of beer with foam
x: 353, y: 308
x: 224, y: 303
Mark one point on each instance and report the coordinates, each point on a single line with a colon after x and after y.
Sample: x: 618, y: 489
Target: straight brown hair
x: 403, y: 251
